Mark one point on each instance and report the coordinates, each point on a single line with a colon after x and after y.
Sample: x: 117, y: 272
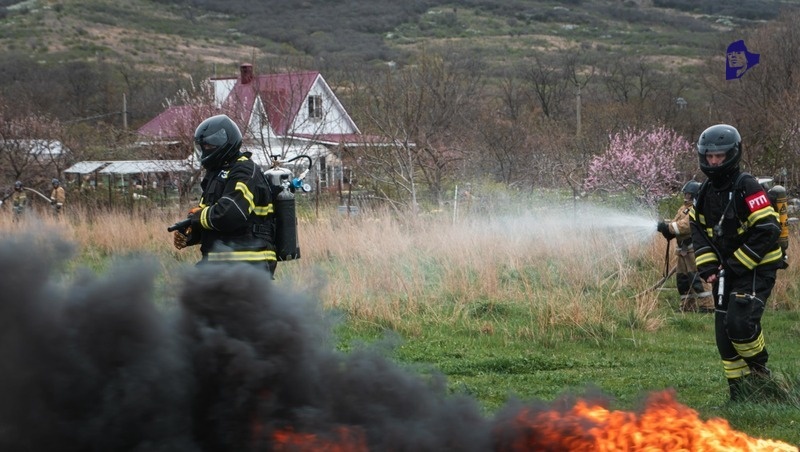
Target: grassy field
x: 534, y: 304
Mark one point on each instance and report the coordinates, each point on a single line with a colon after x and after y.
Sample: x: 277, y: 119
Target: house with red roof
x: 280, y: 115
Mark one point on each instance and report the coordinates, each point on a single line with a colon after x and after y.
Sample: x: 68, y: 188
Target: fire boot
x: 705, y: 302
x: 688, y: 303
x: 736, y: 386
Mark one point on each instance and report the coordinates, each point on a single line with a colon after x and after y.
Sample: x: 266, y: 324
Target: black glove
x: 663, y: 228
x: 194, y: 217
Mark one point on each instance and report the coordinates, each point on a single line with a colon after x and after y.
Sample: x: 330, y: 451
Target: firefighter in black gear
x: 234, y: 221
x: 735, y: 234
x: 695, y: 296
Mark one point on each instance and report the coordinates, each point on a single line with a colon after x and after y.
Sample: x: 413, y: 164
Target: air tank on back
x: 283, y: 185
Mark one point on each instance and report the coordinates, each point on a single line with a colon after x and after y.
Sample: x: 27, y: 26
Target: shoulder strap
x: 701, y: 193
x: 737, y: 184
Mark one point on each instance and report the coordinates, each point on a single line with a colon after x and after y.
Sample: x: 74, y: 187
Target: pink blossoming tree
x: 640, y: 162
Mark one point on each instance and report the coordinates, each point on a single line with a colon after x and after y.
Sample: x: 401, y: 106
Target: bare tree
x: 194, y: 105
x: 30, y: 146
x: 546, y: 84
x: 628, y: 78
x: 421, y: 110
x: 503, y: 153
x: 764, y: 104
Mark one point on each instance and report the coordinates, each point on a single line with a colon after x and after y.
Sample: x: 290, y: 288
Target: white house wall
x: 222, y: 89
x: 333, y: 121
x: 260, y: 130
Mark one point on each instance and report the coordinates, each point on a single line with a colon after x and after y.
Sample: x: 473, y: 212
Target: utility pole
x: 124, y: 112
x: 578, y: 111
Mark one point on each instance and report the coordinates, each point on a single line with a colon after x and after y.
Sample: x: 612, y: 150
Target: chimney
x: 246, y: 71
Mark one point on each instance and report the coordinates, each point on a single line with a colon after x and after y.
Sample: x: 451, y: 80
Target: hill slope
x: 163, y: 33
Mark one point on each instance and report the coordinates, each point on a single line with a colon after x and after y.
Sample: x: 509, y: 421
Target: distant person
x: 234, y: 221
x: 19, y: 200
x: 57, y: 197
x: 735, y: 235
x: 738, y: 60
x: 694, y: 294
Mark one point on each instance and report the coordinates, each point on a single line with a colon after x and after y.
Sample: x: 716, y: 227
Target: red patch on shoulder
x: 757, y: 201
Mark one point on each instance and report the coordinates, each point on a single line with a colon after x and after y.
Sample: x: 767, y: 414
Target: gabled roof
x: 174, y: 122
x: 282, y: 97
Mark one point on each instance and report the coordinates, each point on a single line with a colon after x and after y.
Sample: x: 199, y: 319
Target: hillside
x: 79, y: 60
x: 160, y: 34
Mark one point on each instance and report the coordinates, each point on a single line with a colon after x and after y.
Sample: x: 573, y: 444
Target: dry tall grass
x: 564, y: 275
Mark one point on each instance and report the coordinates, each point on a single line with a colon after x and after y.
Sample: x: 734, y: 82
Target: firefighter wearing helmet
x: 19, y: 200
x: 57, y: 196
x: 735, y: 236
x: 234, y: 220
x: 694, y: 294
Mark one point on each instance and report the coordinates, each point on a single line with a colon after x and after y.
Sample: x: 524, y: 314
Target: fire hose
x: 667, y: 274
x: 46, y: 198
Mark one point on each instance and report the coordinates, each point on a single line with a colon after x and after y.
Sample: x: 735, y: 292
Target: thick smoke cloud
x: 92, y: 363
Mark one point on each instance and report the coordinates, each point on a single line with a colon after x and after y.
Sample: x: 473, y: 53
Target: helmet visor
x: 211, y: 142
x: 711, y: 149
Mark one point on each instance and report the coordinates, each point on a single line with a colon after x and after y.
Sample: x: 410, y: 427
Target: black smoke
x: 92, y: 362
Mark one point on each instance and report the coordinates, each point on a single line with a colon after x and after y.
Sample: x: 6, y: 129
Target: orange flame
x: 345, y: 440
x: 664, y: 425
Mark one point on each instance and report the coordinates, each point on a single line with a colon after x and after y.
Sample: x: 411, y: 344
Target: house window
x: 314, y: 106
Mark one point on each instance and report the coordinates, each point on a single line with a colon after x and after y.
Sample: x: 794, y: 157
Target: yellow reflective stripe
x: 744, y: 259
x: 204, y: 218
x: 735, y: 369
x: 242, y: 256
x: 263, y: 210
x: 761, y: 214
x: 751, y: 349
x: 773, y: 256
x: 248, y: 195
x: 750, y: 264
x: 705, y: 258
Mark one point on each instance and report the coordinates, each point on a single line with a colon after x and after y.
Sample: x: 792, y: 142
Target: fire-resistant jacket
x: 236, y: 220
x: 19, y: 199
x: 58, y: 196
x: 747, y: 235
x: 680, y: 226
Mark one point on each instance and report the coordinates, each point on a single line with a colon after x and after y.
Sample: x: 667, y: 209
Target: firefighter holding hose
x: 735, y: 234
x: 19, y: 200
x: 57, y: 197
x: 695, y: 296
x: 234, y: 221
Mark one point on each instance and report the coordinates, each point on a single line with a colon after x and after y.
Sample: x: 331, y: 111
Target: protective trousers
x: 737, y: 325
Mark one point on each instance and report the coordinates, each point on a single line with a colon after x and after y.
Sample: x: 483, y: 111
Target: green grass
x: 500, y: 361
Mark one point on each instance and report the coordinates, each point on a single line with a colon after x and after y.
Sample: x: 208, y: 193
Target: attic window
x: 314, y: 106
